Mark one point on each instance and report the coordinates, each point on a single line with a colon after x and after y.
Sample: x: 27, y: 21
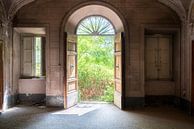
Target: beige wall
x: 16, y: 59
x: 32, y: 86
x: 136, y: 14
x: 160, y: 88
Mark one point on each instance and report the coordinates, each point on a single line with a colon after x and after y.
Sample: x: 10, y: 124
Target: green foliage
x: 108, y: 93
x: 96, y: 67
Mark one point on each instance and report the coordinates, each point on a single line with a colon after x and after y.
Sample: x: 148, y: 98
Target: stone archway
x: 74, y: 19
x: 70, y: 26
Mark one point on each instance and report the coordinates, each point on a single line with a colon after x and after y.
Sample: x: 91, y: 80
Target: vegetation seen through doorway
x: 96, y: 68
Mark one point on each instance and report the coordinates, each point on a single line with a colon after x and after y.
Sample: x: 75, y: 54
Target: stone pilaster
x: 7, y: 59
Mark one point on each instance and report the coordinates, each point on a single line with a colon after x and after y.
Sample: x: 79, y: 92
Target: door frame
x: 64, y: 28
x: 192, y: 77
x: 174, y: 30
x: 123, y: 63
x: 2, y: 88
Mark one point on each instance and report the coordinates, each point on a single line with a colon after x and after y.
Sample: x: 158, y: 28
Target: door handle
x: 72, y: 66
x: 156, y: 63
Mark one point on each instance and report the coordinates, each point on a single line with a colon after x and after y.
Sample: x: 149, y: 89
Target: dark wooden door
x: 151, y: 60
x: 1, y: 75
x: 158, y: 57
x: 71, y: 87
x: 192, y: 92
x: 118, y: 68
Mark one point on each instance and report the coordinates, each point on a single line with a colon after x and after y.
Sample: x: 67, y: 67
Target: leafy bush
x: 96, y: 67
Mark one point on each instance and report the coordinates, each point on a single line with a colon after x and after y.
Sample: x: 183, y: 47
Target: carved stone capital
x: 6, y: 28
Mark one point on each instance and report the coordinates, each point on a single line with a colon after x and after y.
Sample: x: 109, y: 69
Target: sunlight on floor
x: 12, y: 109
x: 79, y: 109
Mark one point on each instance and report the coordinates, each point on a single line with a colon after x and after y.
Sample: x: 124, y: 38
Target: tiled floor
x: 95, y: 116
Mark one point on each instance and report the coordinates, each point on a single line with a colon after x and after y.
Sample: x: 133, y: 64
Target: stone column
x: 9, y: 99
x: 186, y: 50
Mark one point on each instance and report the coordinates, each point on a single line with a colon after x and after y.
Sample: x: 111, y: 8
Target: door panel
x: 118, y: 70
x: 192, y: 92
x: 151, y: 48
x: 118, y: 66
x: 27, y: 55
x: 158, y: 57
x: 1, y: 75
x: 71, y: 73
x: 165, y: 57
x: 118, y: 86
x: 71, y: 87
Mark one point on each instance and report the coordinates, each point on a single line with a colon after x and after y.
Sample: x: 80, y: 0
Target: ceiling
x: 10, y: 7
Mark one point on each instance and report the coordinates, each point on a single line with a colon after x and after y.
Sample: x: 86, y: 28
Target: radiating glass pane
x: 95, y: 25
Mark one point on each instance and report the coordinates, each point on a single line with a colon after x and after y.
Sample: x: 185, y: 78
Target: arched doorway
x: 95, y: 48
x: 70, y: 52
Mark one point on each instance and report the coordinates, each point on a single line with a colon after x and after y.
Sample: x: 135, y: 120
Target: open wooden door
x: 71, y: 79
x: 118, y: 68
x: 1, y: 76
x: 27, y: 59
x: 192, y: 88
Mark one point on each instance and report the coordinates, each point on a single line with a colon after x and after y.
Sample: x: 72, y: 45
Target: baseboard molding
x: 31, y: 98
x: 134, y: 102
x: 183, y: 104
x: 55, y: 101
x: 11, y: 101
x: 152, y: 100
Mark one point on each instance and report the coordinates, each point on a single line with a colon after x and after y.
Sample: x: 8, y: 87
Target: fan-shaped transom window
x: 95, y: 25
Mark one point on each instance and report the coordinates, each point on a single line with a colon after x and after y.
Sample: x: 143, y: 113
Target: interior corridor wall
x: 136, y: 14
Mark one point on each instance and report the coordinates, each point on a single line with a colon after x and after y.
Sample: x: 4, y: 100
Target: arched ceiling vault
x: 191, y: 11
x: 12, y: 6
x: 2, y: 11
x: 177, y: 6
x: 15, y: 5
